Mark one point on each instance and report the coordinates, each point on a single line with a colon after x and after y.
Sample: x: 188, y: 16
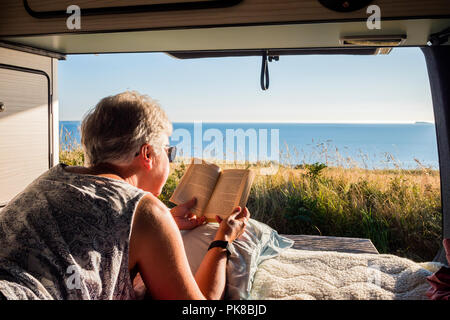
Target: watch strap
x: 220, y: 244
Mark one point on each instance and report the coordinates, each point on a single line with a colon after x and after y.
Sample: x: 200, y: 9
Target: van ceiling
x: 199, y: 25
x: 323, y: 35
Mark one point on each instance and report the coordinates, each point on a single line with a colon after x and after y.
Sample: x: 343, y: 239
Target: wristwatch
x: 221, y: 244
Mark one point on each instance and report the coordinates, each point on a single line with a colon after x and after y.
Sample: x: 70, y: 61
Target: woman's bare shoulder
x: 151, y: 212
x: 151, y: 204
x: 151, y: 222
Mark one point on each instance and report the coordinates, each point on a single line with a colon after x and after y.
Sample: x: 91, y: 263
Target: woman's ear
x: 148, y: 156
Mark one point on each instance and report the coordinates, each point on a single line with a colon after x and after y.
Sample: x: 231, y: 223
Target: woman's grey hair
x: 119, y: 125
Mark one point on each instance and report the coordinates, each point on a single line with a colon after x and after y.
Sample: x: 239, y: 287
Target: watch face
x: 345, y: 5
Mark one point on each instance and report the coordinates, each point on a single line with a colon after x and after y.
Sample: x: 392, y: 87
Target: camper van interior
x: 37, y: 36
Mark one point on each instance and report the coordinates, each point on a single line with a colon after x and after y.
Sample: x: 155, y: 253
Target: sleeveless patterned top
x: 66, y: 236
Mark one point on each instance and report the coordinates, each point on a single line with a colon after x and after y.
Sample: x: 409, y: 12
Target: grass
x: 399, y: 210
x: 70, y: 151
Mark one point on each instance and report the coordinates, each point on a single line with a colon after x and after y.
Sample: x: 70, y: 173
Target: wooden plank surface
x: 340, y: 244
x: 58, y: 5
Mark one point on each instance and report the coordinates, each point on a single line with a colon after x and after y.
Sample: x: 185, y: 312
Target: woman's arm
x: 157, y: 249
x: 211, y: 274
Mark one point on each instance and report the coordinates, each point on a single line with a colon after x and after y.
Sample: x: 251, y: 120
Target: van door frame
x: 438, y: 66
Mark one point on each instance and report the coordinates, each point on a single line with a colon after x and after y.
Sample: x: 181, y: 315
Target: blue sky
x: 384, y: 88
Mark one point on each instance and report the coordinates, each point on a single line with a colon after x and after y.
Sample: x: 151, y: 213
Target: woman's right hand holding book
x: 233, y: 226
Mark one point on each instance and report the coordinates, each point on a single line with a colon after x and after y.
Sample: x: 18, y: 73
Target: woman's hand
x: 184, y: 218
x: 233, y: 226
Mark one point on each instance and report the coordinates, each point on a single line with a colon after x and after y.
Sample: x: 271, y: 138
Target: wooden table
x: 326, y: 243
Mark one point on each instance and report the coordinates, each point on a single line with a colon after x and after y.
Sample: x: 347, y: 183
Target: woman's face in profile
x: 160, y: 170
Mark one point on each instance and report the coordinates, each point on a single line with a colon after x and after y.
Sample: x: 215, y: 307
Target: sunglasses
x: 171, y: 152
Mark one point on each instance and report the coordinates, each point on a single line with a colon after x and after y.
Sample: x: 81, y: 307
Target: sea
x: 369, y: 146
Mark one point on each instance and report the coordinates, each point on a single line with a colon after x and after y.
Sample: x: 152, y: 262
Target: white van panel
x: 27, y: 123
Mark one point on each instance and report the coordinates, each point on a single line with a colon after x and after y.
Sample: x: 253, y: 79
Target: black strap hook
x: 266, y: 58
x: 264, y: 72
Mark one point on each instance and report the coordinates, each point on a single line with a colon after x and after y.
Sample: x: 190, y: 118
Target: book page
x: 227, y: 193
x: 198, y: 181
x: 246, y: 188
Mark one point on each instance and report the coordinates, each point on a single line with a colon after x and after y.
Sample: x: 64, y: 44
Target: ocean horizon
x: 365, y: 145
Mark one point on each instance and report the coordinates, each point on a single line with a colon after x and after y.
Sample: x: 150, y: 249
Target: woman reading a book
x: 85, y: 232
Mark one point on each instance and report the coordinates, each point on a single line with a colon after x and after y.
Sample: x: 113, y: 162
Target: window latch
x: 264, y: 78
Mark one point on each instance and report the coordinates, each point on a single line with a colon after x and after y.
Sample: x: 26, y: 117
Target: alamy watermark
x: 374, y: 274
x: 231, y: 147
x: 374, y: 20
x: 73, y: 280
x: 73, y: 22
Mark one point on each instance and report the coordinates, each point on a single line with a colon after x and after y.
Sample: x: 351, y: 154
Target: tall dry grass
x: 70, y: 151
x: 399, y: 210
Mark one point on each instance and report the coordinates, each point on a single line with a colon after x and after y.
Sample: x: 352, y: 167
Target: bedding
x: 258, y: 243
x: 323, y: 275
x: 264, y: 266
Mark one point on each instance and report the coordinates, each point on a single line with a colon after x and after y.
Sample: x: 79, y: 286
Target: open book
x: 217, y: 191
